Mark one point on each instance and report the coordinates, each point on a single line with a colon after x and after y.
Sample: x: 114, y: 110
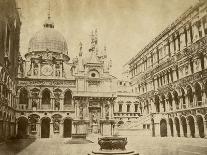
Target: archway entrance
x: 22, y: 127
x: 163, y: 128
x: 171, y: 127
x: 45, y: 128
x: 184, y: 124
x: 67, y: 128
x: 192, y: 126
x: 200, y: 126
x: 177, y: 125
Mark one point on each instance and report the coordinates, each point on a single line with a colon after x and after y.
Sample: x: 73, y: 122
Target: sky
x: 124, y: 26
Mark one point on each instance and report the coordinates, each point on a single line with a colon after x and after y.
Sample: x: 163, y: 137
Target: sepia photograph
x: 103, y: 77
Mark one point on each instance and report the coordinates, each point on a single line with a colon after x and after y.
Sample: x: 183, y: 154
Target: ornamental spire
x: 49, y: 9
x: 49, y: 23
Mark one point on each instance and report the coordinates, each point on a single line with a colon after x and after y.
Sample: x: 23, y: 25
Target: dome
x: 48, y: 39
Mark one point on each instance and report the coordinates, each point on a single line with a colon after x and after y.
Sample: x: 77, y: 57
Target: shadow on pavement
x: 14, y: 146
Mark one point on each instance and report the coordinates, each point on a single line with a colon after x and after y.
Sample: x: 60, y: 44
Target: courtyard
x: 145, y: 145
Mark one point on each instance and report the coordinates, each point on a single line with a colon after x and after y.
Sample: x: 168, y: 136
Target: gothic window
x: 190, y: 96
x: 135, y: 107
x: 68, y: 98
x: 46, y: 96
x: 23, y: 97
x: 198, y: 94
x: 128, y: 107
x: 120, y: 107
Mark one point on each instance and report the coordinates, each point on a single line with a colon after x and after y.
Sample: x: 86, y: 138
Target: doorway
x: 45, y: 128
x: 67, y: 128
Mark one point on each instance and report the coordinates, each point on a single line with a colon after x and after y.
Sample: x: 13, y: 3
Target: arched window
x: 23, y: 97
x: 198, y: 93
x: 46, y: 96
x: 190, y: 96
x: 176, y: 99
x: 67, y: 98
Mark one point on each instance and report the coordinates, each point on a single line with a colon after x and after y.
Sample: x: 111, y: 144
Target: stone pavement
x: 142, y: 144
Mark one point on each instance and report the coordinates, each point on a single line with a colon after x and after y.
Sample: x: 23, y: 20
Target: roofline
x: 165, y: 31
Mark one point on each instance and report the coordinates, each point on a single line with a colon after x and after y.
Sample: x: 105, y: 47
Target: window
x: 46, y: 97
x: 68, y: 98
x: 23, y: 97
x: 128, y: 108
x: 120, y: 107
x: 135, y: 107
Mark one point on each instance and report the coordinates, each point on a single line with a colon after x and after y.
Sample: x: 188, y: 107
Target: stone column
x: 205, y: 128
x: 188, y: 35
x: 51, y: 129
x: 177, y: 43
x: 39, y: 70
x: 195, y: 32
x: 168, y: 129
x: 157, y: 129
x: 61, y: 129
x: 78, y: 110
x: 174, y: 129
x: 188, y: 129
x: 196, y: 129
x: 171, y: 46
x: 181, y: 129
x: 182, y: 39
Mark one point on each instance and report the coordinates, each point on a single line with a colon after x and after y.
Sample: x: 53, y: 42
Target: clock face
x: 46, y: 70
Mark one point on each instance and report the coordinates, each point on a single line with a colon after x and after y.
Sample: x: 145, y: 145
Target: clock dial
x: 47, y: 70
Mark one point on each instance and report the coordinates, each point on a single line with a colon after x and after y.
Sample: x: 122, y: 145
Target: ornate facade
x: 169, y: 77
x: 9, y: 52
x: 57, y: 96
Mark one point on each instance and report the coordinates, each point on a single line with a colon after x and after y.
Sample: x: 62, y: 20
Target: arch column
x: 188, y: 129
x: 168, y: 129
x: 61, y: 129
x: 205, y: 128
x: 51, y: 130
x: 174, y: 129
x: 181, y: 129
x: 196, y: 129
x: 203, y: 97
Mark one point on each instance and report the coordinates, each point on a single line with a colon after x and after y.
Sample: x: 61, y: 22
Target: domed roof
x: 48, y: 39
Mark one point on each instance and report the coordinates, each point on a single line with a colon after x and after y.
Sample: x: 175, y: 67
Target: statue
x: 56, y: 125
x: 34, y: 104
x: 57, y: 104
x: 94, y: 119
x: 81, y: 111
x: 107, y: 110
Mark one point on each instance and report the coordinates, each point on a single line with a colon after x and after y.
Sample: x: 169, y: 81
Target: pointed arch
x: 198, y: 93
x: 68, y: 98
x: 200, y: 122
x: 189, y: 95
x: 183, y: 98
x: 163, y: 128
x: 46, y: 96
x: 184, y: 125
x: 23, y: 96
